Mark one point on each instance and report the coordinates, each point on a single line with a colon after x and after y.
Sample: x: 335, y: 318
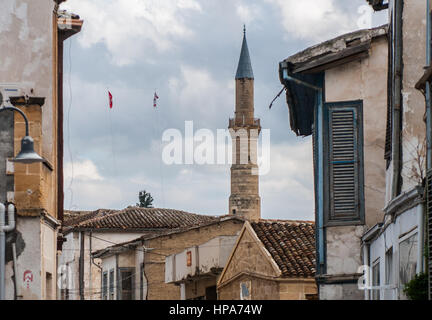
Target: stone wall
x: 261, y: 289
x: 170, y: 244
x: 250, y: 263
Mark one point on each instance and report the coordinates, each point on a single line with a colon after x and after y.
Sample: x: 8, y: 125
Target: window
x: 211, y: 293
x: 111, y: 284
x: 126, y: 283
x: 389, y: 267
x: 142, y: 281
x: 376, y: 280
x: 407, y: 261
x: 105, y: 285
x: 49, y: 286
x: 245, y: 290
x: 389, y: 274
x: 344, y: 136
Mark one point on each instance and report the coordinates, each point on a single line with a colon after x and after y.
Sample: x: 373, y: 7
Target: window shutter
x: 429, y: 225
x: 389, y: 127
x: 345, y: 163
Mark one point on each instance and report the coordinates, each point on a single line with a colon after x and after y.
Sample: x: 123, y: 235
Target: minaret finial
x: 244, y: 69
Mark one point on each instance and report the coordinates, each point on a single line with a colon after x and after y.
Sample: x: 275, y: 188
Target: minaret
x: 244, y: 199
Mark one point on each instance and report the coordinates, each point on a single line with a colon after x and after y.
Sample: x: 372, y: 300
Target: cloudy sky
x: 187, y: 51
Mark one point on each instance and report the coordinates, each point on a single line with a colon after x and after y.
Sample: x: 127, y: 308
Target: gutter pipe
x: 427, y: 90
x: 397, y: 98
x: 320, y: 144
x: 4, y: 228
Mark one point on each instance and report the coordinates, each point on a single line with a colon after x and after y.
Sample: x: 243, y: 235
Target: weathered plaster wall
x: 29, y: 263
x: 364, y: 80
x: 27, y: 36
x: 29, y: 60
x: 413, y: 103
x: 344, y: 249
x: 6, y: 151
x: 340, y: 292
x: 367, y: 80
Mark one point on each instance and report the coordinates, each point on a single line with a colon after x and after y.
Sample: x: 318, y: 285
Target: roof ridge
x: 285, y: 221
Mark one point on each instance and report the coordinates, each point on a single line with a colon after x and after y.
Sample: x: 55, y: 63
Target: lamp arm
x: 19, y: 111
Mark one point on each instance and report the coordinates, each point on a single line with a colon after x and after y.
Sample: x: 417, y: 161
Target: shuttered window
x: 345, y: 162
x: 429, y: 225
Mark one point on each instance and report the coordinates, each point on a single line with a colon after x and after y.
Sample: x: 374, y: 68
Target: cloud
x: 196, y: 91
x: 83, y: 171
x: 247, y: 13
x: 315, y: 20
x: 130, y: 28
x: 289, y: 182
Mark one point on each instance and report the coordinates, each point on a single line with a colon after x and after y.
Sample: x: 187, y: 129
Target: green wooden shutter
x: 429, y: 225
x: 345, y: 159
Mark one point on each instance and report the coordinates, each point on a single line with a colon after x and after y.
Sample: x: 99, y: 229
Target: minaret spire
x: 244, y: 200
x: 244, y: 68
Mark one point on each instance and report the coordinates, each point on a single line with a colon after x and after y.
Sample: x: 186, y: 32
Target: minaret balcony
x: 242, y: 122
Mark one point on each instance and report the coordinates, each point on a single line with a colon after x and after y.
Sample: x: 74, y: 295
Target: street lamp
x: 27, y: 153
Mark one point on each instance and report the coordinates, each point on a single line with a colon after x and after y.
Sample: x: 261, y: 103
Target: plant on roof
x: 145, y: 200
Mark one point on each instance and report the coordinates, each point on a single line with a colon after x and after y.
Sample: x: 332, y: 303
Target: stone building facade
x: 86, y: 232
x: 31, y: 41
x: 145, y: 258
x: 271, y: 260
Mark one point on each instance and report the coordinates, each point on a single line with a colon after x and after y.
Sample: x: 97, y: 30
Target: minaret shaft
x: 244, y: 199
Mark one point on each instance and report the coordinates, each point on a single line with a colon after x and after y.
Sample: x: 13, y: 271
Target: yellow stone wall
x: 167, y: 245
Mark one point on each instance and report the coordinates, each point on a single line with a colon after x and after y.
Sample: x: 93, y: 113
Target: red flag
x: 154, y: 99
x: 110, y: 99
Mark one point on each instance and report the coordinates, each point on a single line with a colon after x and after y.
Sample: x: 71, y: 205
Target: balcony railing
x: 243, y: 122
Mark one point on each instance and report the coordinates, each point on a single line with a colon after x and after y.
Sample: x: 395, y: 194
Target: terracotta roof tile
x: 72, y: 218
x: 291, y: 245
x: 135, y: 218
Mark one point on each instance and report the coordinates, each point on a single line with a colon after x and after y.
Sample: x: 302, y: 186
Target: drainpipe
x: 81, y: 266
x: 320, y: 143
x: 397, y: 98
x: 92, y: 261
x: 427, y: 90
x: 3, y: 229
x: 15, y: 269
x: 420, y: 234
x: 428, y: 123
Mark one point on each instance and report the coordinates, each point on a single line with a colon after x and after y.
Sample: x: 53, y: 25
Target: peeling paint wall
x: 367, y: 80
x: 364, y: 80
x: 413, y: 105
x: 413, y: 133
x: 29, y: 60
